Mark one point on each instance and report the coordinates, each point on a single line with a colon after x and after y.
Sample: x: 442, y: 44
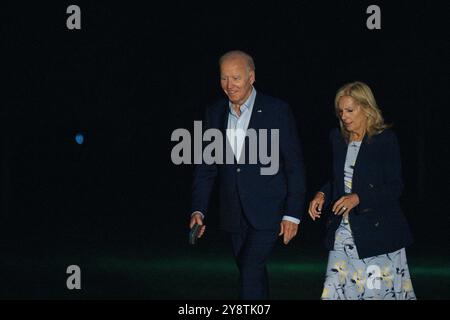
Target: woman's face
x: 352, y: 115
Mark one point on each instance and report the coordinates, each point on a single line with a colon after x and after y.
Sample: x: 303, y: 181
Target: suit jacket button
x: 377, y: 224
x: 370, y: 185
x: 238, y: 169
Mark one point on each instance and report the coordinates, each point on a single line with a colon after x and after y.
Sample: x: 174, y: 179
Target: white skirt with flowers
x: 380, y: 277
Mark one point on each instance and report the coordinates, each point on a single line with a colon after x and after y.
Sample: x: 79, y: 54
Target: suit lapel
x: 361, y: 159
x: 340, y: 161
x: 224, y: 117
x: 257, y: 112
x: 227, y: 150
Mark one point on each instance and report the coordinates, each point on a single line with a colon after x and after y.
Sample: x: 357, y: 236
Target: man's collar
x: 248, y: 104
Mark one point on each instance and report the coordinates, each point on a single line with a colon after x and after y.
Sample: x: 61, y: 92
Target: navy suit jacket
x: 378, y: 224
x: 264, y: 199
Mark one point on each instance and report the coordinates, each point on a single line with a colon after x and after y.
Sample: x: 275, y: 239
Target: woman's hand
x: 316, y: 204
x: 345, y: 204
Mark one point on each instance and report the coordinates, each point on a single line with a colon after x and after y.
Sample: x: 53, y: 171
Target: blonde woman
x: 366, y: 230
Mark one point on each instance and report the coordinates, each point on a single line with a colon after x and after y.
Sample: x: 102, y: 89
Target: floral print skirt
x: 382, y: 277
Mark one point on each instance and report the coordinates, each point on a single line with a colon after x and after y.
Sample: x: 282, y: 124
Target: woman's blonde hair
x: 364, y: 98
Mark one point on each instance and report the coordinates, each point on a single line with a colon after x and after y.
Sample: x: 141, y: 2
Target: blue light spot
x: 79, y: 138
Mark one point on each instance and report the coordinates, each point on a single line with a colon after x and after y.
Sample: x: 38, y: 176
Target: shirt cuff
x: 203, y: 216
x: 291, y: 219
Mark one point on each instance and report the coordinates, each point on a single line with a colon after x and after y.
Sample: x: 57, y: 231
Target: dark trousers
x: 252, y: 249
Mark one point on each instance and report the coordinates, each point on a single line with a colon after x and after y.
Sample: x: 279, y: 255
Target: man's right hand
x: 316, y: 205
x: 196, y: 218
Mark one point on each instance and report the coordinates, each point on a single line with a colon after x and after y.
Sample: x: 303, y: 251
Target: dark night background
x: 117, y: 206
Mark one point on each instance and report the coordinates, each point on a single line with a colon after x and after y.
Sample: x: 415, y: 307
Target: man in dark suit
x: 254, y: 207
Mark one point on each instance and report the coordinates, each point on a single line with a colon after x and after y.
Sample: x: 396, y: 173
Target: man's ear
x: 252, y: 76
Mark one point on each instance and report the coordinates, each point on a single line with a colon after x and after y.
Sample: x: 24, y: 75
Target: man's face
x: 236, y: 80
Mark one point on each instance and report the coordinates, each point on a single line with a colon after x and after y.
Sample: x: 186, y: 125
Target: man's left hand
x: 289, y: 230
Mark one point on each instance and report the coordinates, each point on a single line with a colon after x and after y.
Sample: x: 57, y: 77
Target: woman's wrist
x: 320, y: 193
x: 356, y: 197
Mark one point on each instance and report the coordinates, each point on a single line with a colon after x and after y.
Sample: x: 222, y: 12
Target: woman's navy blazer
x: 378, y: 224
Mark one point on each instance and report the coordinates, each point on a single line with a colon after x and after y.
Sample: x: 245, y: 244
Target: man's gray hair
x: 238, y: 54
